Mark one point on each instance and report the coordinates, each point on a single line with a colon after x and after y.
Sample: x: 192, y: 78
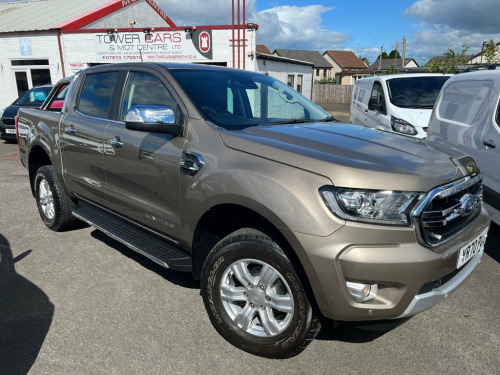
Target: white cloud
x: 297, y: 27
x: 445, y: 24
x: 480, y: 16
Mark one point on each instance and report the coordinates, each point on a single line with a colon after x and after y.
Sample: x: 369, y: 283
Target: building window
x: 290, y: 81
x: 317, y: 72
x: 30, y: 73
x: 300, y: 77
x: 325, y: 72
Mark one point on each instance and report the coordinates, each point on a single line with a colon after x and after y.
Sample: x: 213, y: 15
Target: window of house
x: 300, y: 78
x: 290, y: 81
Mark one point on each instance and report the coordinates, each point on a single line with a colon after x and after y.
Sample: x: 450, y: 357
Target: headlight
x: 401, y: 126
x: 371, y: 206
x: 2, y: 110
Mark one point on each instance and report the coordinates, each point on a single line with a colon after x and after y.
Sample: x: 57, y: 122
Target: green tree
x: 490, y: 51
x: 384, y: 56
x: 452, y: 60
x: 365, y: 60
x: 393, y: 69
x: 391, y: 55
x: 394, y: 54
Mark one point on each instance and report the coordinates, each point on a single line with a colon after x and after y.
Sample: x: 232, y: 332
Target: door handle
x: 489, y: 144
x: 69, y: 130
x: 115, y: 142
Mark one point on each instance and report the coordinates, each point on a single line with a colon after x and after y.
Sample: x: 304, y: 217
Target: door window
x: 465, y: 102
x: 95, y: 98
x: 377, y: 99
x: 147, y: 89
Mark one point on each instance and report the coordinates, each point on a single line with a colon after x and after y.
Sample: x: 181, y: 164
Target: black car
x: 31, y: 98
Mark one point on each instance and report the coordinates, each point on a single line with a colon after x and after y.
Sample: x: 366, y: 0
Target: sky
x: 431, y: 27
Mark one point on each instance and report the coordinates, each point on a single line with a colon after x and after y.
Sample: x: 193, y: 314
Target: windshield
x: 236, y: 99
x: 415, y: 92
x: 33, y: 97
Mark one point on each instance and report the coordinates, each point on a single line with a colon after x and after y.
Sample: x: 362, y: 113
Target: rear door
x: 82, y: 135
x: 143, y: 168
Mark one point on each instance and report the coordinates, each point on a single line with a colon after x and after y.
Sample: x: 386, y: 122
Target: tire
x: 54, y: 205
x: 254, y: 297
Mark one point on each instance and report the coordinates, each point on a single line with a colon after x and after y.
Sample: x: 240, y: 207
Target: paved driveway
x: 80, y: 303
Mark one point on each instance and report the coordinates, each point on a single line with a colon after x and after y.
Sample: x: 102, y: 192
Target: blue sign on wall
x: 25, y: 46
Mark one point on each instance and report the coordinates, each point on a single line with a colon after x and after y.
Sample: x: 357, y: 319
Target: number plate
x: 476, y: 246
x: 10, y: 131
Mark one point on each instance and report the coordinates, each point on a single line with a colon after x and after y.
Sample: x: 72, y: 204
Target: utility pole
x: 380, y: 59
x: 396, y: 55
x: 404, y: 52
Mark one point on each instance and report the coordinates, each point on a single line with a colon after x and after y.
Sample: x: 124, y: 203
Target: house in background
x: 295, y: 73
x: 346, y: 67
x: 383, y: 66
x: 322, y: 68
x: 262, y: 48
x: 480, y: 59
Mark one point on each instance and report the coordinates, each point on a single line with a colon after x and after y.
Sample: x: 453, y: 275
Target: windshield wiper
x: 291, y: 121
x: 329, y: 119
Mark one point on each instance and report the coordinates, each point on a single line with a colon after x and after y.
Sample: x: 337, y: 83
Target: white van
x: 400, y: 103
x: 467, y: 117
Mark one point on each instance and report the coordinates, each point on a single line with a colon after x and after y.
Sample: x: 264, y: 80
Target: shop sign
x: 25, y: 46
x: 162, y: 46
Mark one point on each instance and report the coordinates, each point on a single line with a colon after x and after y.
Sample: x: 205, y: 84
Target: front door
x: 143, y: 168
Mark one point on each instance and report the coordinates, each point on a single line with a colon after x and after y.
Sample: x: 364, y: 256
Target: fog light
x: 362, y: 292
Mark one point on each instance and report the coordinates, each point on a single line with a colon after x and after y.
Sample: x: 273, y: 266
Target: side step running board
x: 140, y: 240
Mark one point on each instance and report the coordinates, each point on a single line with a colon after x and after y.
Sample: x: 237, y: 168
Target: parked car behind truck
x: 31, y: 98
x: 400, y: 103
x: 284, y: 215
x: 467, y: 116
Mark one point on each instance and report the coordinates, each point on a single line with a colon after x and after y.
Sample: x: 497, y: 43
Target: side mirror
x: 152, y: 118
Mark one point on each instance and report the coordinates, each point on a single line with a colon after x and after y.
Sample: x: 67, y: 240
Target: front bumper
x: 7, y: 131
x: 390, y: 257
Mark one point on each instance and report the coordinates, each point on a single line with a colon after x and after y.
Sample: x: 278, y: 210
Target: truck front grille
x: 448, y: 210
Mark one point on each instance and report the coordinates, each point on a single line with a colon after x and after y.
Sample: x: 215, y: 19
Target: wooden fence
x: 331, y: 93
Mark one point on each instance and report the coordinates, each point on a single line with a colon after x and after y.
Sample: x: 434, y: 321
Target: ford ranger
x: 284, y: 215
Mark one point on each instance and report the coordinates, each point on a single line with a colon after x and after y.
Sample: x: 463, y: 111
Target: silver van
x: 467, y: 116
x: 400, y: 103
